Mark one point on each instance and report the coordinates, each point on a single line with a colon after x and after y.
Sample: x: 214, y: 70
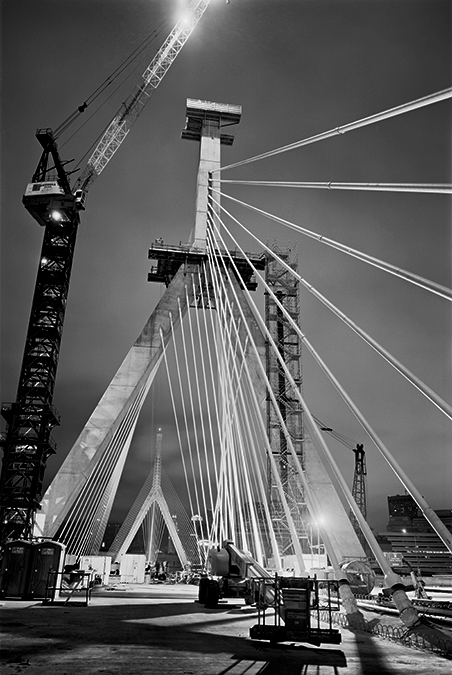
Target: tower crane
x: 55, y: 205
x: 359, y: 483
x: 359, y: 492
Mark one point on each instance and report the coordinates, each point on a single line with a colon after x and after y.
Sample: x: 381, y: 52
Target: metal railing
x: 64, y: 586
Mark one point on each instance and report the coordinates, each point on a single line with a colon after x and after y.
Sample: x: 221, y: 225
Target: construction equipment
x: 234, y: 568
x: 359, y: 484
x: 49, y: 198
x: 287, y: 606
x: 359, y: 492
x: 27, y: 443
x: 296, y: 606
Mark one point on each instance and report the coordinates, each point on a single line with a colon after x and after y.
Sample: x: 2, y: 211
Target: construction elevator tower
x: 286, y: 289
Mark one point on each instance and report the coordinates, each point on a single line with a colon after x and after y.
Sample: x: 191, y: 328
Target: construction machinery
x: 289, y: 608
x: 359, y: 492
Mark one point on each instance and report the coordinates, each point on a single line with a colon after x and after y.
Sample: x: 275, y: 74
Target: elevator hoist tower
x: 286, y: 290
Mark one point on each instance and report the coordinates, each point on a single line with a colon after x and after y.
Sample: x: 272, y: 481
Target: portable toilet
x: 15, y: 571
x: 47, y: 568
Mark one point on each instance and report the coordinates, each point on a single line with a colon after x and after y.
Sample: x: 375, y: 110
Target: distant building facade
x: 413, y: 538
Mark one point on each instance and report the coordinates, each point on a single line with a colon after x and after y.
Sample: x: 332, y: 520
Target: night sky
x: 298, y: 68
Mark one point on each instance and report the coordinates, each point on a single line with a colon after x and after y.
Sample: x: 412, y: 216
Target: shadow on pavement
x: 371, y: 655
x: 162, y: 628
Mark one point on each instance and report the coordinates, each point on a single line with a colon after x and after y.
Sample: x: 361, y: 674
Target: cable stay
x: 427, y: 511
x: 312, y: 503
x: 437, y: 188
x: 178, y: 430
x: 145, y: 44
x: 426, y: 284
x: 187, y: 427
x: 194, y: 426
x: 345, y: 440
x: 94, y: 113
x: 122, y: 122
x: 198, y: 394
x: 373, y: 119
x: 444, y: 407
x: 245, y: 482
x: 219, y: 279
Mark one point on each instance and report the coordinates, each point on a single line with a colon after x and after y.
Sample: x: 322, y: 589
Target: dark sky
x: 298, y: 68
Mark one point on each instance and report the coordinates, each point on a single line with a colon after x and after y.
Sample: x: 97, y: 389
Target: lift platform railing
x: 289, y: 608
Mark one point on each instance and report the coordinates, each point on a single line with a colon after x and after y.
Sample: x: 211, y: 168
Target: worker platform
x: 170, y: 257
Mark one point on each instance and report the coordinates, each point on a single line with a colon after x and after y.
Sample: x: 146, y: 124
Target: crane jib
x: 132, y: 107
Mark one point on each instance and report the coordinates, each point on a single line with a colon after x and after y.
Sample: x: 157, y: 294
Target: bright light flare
x: 184, y: 18
x: 184, y: 15
x: 57, y: 216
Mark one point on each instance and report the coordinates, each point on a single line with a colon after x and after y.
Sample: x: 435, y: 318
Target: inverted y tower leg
x: 151, y: 493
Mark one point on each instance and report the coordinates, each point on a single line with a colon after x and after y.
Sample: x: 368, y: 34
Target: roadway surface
x: 162, y: 630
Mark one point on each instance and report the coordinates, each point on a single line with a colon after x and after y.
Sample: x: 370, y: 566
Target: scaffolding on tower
x: 286, y: 289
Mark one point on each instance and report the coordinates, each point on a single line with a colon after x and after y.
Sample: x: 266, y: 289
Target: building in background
x: 414, y: 540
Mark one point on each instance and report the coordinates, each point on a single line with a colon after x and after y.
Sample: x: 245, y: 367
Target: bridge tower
x: 151, y: 501
x: 77, y: 505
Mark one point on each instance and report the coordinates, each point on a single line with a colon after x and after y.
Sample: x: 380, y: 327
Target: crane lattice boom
x: 121, y: 124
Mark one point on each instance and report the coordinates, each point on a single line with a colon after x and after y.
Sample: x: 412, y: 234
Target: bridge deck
x: 161, y: 630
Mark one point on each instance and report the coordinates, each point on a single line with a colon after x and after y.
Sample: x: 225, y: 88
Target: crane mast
x: 359, y: 491
x: 121, y: 124
x: 27, y: 443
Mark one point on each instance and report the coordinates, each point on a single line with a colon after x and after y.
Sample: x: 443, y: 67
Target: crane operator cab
x: 43, y: 189
x: 44, y: 199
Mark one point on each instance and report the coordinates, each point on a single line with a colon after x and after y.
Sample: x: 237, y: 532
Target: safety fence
x: 419, y: 603
x: 433, y: 643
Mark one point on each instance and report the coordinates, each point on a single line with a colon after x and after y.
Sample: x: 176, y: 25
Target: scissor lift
x: 289, y: 609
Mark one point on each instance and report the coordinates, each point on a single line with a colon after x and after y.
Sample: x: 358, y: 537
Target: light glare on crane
x: 57, y: 216
x: 184, y: 18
